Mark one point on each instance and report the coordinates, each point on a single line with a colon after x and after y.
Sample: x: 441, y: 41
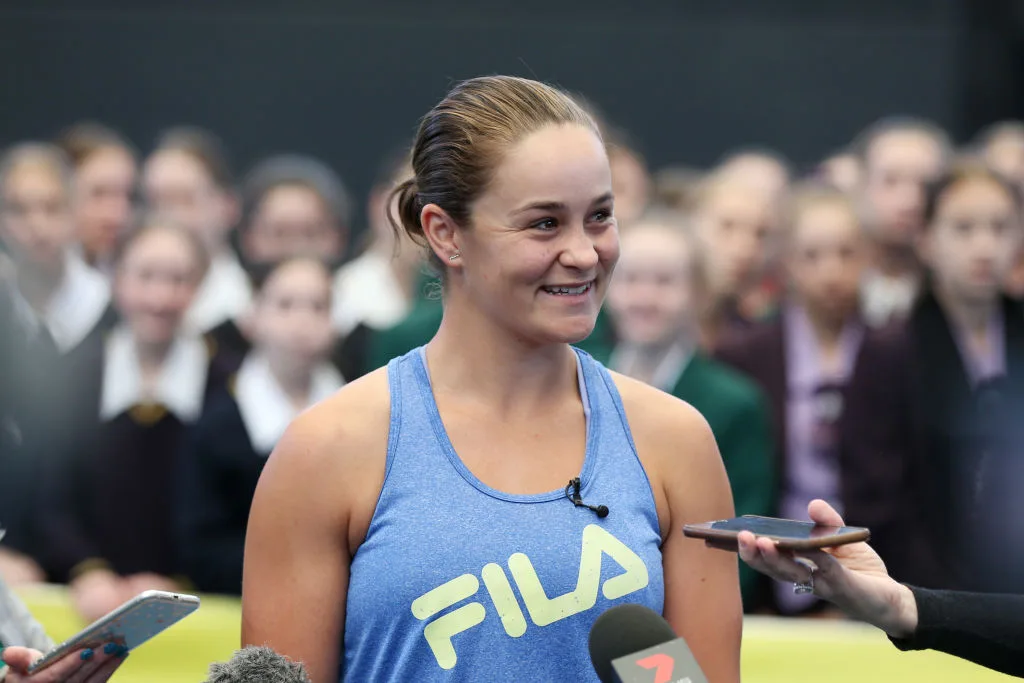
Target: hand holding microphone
x: 852, y: 577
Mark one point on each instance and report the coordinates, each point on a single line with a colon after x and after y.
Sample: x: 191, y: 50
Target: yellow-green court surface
x: 774, y: 650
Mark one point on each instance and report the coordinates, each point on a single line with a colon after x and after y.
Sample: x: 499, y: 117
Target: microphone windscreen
x: 258, y: 665
x: 621, y: 631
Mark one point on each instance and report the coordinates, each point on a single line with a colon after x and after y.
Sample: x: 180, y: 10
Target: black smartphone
x: 788, y: 534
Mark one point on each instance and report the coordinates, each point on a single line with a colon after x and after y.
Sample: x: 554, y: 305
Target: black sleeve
x: 211, y: 508
x: 987, y: 629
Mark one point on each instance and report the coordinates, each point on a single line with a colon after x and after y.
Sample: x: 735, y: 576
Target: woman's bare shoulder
x: 659, y: 417
x: 345, y: 433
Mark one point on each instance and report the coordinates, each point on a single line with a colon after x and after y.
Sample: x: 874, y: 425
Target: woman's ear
x: 441, y: 233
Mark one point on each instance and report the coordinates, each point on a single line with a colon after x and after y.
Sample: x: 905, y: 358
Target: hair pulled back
x: 462, y: 140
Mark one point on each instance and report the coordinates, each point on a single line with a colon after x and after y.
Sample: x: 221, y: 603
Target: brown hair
x: 203, y: 146
x: 40, y: 154
x: 959, y: 172
x: 809, y: 195
x: 154, y: 223
x: 462, y: 139
x: 82, y: 140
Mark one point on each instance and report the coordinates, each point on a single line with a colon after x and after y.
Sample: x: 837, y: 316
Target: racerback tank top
x: 457, y: 581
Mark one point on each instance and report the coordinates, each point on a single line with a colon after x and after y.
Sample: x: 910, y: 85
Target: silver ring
x: 805, y: 587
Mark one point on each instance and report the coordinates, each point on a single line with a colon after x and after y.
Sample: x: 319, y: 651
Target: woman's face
x: 291, y: 319
x: 652, y: 296
x: 178, y: 186
x: 292, y: 220
x: 104, y: 199
x: 155, y: 283
x: 974, y: 239
x: 35, y: 221
x: 543, y: 241
x: 826, y: 258
x: 733, y: 228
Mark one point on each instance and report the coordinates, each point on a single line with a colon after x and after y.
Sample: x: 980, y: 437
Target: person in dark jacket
x: 987, y: 629
x: 286, y: 372
x: 932, y: 434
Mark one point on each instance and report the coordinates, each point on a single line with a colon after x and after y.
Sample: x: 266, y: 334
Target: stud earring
x: 454, y: 256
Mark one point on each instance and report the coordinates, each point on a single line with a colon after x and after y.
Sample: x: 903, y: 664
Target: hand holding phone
x: 787, y: 534
x: 127, y: 627
x: 84, y: 666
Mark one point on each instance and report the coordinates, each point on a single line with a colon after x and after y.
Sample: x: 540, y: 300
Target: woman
x: 932, y: 429
x: 986, y: 629
x: 654, y: 299
x: 58, y: 308
x: 106, y: 173
x: 804, y: 359
x: 106, y: 523
x: 187, y: 178
x: 382, y: 506
x: 286, y: 372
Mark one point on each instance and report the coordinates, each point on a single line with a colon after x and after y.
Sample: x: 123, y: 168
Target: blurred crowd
x: 850, y: 333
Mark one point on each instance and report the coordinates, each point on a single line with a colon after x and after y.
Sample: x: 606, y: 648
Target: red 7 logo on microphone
x: 662, y: 664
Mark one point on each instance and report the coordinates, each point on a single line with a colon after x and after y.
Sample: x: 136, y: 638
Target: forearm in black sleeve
x: 987, y: 629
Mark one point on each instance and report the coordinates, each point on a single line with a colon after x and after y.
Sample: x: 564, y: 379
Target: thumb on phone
x: 821, y: 512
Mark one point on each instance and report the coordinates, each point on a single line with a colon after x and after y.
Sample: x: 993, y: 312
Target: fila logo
x: 543, y: 611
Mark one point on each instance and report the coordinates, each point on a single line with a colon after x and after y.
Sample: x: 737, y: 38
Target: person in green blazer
x: 653, y: 301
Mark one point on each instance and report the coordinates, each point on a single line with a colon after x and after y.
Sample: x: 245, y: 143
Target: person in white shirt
x: 898, y: 157
x: 187, y: 178
x: 378, y: 287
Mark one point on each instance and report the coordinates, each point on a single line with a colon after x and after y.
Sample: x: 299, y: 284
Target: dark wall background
x: 346, y: 82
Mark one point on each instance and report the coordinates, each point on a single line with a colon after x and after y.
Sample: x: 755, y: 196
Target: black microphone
x: 258, y: 665
x: 577, y: 500
x: 630, y: 642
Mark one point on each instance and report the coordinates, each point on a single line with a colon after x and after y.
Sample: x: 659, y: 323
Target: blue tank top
x: 457, y: 581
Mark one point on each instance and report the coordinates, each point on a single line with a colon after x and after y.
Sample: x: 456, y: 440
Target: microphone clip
x: 572, y: 492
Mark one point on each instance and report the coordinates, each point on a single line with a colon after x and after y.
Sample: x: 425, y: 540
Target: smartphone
x: 131, y: 624
x: 788, y: 534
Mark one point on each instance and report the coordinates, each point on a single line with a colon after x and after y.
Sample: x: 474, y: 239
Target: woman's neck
x: 973, y: 317
x: 643, y: 361
x: 473, y: 358
x: 895, y: 260
x: 295, y: 379
x: 39, y: 284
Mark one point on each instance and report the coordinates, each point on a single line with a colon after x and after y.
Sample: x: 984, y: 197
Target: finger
x: 107, y: 669
x: 782, y: 565
x: 823, y: 513
x: 20, y: 658
x: 99, y: 661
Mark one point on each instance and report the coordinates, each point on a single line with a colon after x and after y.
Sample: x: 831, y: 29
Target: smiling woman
x: 390, y: 509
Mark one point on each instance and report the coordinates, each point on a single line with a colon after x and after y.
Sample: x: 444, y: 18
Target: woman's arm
x: 702, y: 594
x: 311, y: 510
x: 986, y: 629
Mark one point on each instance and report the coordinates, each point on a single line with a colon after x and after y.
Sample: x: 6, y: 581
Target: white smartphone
x: 130, y: 625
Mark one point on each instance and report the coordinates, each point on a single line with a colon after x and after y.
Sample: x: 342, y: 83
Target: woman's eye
x: 545, y: 224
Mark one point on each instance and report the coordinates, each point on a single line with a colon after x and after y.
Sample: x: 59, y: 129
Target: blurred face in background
x: 630, y: 182
x: 733, y: 225
x: 843, y: 172
x: 292, y: 220
x: 759, y: 172
x: 35, y: 214
x: 1005, y: 154
x: 177, y: 185
x: 290, y: 320
x: 972, y: 243
x: 826, y: 255
x: 155, y: 282
x: 104, y: 199
x: 897, y: 166
x: 652, y: 296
